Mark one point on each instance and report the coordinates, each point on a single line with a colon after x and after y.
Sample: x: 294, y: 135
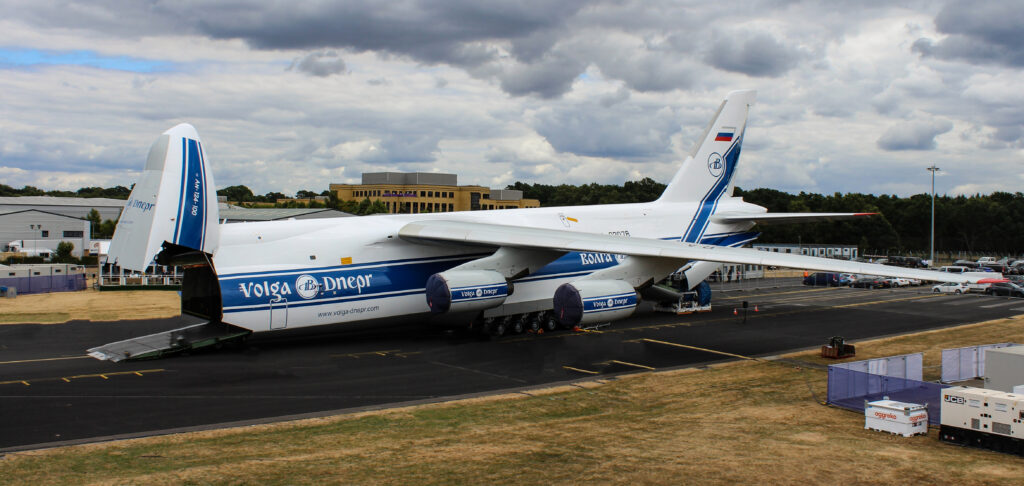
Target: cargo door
x: 278, y: 314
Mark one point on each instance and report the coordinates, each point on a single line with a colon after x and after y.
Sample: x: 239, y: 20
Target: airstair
x: 167, y: 343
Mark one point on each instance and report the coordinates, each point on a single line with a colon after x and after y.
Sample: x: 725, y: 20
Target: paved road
x: 50, y: 393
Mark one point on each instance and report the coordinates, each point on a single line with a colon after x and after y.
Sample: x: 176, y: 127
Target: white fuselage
x: 300, y: 273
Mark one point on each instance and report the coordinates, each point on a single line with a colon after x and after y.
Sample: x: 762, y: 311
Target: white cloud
x: 540, y: 92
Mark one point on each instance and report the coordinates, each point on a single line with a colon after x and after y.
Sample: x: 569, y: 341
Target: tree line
x: 992, y: 223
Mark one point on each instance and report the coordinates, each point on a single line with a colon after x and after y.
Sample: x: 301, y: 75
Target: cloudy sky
x: 296, y: 95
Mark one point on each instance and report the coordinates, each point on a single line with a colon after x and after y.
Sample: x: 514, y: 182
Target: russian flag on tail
x: 725, y: 134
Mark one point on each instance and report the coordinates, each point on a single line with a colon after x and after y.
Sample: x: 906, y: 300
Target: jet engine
x: 466, y: 290
x: 587, y: 301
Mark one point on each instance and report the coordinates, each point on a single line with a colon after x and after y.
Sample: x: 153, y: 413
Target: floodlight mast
x: 931, y: 257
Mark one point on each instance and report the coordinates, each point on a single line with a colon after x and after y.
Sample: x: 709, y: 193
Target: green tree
x: 63, y: 253
x: 238, y: 193
x: 94, y: 223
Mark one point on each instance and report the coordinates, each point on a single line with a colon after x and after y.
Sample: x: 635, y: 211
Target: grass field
x: 91, y: 305
x: 741, y: 422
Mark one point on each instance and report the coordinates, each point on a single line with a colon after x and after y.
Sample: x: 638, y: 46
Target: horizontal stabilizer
x: 780, y: 218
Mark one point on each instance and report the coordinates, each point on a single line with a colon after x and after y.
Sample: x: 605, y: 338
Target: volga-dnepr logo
x: 716, y: 165
x: 306, y: 286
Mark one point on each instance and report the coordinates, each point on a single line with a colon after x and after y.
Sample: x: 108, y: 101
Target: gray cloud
x: 757, y: 54
x: 320, y: 63
x: 628, y: 131
x: 978, y: 33
x: 917, y: 135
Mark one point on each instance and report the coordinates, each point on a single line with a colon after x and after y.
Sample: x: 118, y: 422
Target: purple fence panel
x: 851, y: 389
x: 39, y: 284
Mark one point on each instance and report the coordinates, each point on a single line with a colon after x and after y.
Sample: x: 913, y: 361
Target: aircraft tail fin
x: 174, y: 202
x: 707, y: 173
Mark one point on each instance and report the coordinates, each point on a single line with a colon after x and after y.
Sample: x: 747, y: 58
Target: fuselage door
x: 278, y: 314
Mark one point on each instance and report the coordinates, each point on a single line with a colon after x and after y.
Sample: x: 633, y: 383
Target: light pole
x: 931, y: 257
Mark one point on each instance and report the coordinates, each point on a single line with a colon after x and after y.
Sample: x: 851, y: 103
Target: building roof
x: 61, y: 201
x: 236, y: 214
x: 4, y: 212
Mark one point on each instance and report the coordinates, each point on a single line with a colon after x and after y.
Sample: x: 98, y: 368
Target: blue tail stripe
x: 181, y: 194
x: 710, y: 201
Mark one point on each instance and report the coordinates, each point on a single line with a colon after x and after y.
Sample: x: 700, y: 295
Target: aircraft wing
x: 779, y: 218
x: 470, y: 233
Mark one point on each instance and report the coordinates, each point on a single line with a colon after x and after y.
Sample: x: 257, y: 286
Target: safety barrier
x: 851, y: 389
x: 959, y: 364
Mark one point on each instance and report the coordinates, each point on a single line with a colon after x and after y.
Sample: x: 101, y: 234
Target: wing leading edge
x: 469, y: 233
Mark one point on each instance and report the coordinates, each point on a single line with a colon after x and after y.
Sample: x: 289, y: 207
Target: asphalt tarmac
x: 52, y: 394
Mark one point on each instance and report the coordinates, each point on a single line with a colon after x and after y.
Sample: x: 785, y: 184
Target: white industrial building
x: 846, y: 252
x: 35, y: 232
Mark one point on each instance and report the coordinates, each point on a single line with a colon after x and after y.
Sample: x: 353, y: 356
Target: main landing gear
x: 531, y: 322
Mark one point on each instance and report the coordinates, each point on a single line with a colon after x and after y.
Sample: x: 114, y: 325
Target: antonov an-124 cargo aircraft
x: 496, y: 270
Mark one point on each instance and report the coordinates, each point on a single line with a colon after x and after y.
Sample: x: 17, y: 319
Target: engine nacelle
x: 466, y: 290
x: 589, y: 301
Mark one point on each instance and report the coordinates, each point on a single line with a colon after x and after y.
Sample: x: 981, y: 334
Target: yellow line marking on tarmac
x: 570, y: 368
x: 42, y: 359
x: 697, y: 348
x: 801, y: 291
x: 626, y: 363
x: 67, y: 379
x: 385, y: 352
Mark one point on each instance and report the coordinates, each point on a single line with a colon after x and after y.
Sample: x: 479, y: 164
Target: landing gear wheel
x: 517, y: 326
x: 533, y: 322
x: 498, y: 328
x: 550, y: 322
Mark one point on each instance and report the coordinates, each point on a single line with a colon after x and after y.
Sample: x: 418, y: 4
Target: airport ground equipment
x: 838, y: 349
x: 988, y: 419
x: 1004, y: 368
x: 906, y: 419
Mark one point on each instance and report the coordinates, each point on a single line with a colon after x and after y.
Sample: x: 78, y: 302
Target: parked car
x: 951, y: 288
x: 871, y: 282
x: 955, y: 269
x: 986, y: 260
x: 822, y: 279
x: 899, y: 282
x: 847, y: 278
x: 1008, y: 289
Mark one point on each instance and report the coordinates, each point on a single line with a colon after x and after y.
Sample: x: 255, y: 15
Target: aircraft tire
x: 533, y: 322
x: 517, y: 326
x: 550, y: 322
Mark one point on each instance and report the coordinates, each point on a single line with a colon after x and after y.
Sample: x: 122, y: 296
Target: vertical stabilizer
x: 707, y: 173
x: 174, y: 201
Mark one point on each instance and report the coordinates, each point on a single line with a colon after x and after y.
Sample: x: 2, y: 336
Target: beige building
x: 425, y: 192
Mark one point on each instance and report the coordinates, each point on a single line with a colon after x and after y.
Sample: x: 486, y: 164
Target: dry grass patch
x: 91, y: 304
x: 743, y: 422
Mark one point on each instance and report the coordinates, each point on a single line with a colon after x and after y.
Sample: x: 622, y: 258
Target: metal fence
x: 851, y: 389
x: 966, y: 363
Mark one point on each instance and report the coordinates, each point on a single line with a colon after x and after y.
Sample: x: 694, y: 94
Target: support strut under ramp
x: 176, y: 341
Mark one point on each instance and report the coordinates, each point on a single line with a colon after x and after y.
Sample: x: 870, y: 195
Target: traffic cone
x: 755, y: 307
x: 735, y: 312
